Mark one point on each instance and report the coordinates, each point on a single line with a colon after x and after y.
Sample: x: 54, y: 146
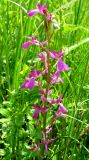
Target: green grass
x: 72, y: 139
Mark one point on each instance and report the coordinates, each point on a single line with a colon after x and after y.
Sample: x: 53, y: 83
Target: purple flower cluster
x: 50, y: 78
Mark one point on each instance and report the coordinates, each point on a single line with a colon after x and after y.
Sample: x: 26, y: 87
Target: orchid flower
x: 43, y: 92
x: 33, y: 41
x: 52, y: 101
x: 54, y: 55
x: 37, y: 110
x: 55, y: 78
x: 34, y: 73
x: 42, y: 56
x: 40, y: 109
x: 29, y: 83
x: 61, y: 66
x: 40, y: 9
x: 61, y: 111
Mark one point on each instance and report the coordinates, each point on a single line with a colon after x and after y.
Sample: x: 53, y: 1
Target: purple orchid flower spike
x: 55, y: 78
x: 61, y: 66
x: 29, y: 83
x: 40, y: 9
x: 40, y: 109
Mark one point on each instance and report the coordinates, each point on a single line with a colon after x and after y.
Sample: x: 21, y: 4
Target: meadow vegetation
x: 71, y: 33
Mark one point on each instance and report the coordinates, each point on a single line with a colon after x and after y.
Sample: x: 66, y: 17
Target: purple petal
x: 52, y: 101
x: 34, y: 148
x: 45, y: 71
x: 43, y: 43
x: 32, y: 12
x: 40, y: 109
x: 57, y: 114
x: 43, y: 98
x: 26, y: 45
x: 48, y: 129
x: 33, y: 40
x: 29, y: 83
x: 60, y: 55
x: 46, y: 148
x: 49, y: 17
x: 55, y: 78
x: 43, y: 92
x: 42, y: 56
x: 61, y: 66
x: 63, y: 109
x: 38, y: 83
x: 39, y: 6
x: 41, y: 9
x: 34, y: 73
x: 54, y: 55
x: 55, y: 101
x: 36, y: 114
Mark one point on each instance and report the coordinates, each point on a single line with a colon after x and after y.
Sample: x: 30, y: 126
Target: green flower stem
x: 47, y: 89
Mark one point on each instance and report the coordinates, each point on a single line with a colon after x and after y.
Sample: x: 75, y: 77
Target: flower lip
x: 29, y: 83
x: 61, y: 66
x: 36, y: 114
x: 32, y: 12
x: 63, y: 109
x: 26, y: 45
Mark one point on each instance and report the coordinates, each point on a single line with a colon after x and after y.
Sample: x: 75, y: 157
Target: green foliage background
x: 72, y: 34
